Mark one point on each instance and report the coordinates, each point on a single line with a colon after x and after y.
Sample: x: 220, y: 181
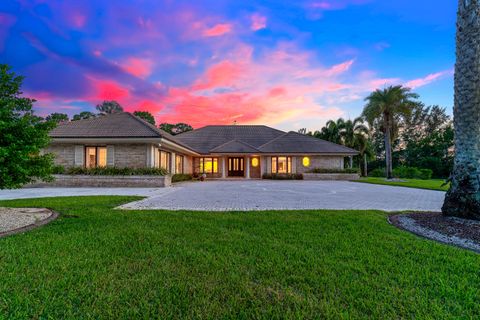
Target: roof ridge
x: 280, y: 136
x: 146, y: 123
x: 235, y: 140
x: 329, y: 142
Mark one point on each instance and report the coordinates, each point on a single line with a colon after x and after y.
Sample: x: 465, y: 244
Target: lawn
x: 96, y: 262
x: 433, y: 184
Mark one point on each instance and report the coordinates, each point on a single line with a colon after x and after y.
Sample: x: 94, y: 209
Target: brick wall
x: 324, y: 162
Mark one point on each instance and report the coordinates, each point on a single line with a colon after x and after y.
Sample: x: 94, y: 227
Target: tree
x: 463, y: 197
x: 145, y: 115
x: 108, y: 107
x: 57, y: 117
x: 354, y: 135
x: 84, y: 115
x: 22, y: 135
x: 175, y: 128
x: 331, y: 131
x: 385, y: 108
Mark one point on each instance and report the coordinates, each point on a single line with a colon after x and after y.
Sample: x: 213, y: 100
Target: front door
x: 236, y: 167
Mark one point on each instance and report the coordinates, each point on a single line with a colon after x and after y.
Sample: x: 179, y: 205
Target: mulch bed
x: 53, y: 215
x: 435, y: 226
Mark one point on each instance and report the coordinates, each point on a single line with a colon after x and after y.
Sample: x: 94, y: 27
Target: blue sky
x: 289, y: 64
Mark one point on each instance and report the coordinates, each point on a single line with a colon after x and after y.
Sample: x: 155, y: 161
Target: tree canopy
x: 145, y: 115
x: 175, y: 128
x: 84, y: 115
x: 22, y: 135
x: 107, y: 107
x: 57, y: 117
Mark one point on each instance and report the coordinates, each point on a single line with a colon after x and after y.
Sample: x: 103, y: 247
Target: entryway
x: 236, y: 167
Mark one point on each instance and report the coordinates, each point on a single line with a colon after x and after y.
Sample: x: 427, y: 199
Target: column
x: 224, y: 174
x: 172, y: 164
x: 247, y: 175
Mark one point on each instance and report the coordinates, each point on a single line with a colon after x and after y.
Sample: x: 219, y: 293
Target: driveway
x: 259, y: 195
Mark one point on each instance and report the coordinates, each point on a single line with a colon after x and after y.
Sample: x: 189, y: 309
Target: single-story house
x: 219, y: 151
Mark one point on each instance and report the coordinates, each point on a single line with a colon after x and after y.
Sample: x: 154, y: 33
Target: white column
x: 224, y: 174
x: 247, y: 159
x: 172, y: 164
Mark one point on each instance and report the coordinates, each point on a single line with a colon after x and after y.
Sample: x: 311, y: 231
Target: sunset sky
x: 288, y: 64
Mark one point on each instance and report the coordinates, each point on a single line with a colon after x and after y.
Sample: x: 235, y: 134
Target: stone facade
x: 64, y: 154
x: 131, y: 155
x: 323, y: 162
x: 84, y: 181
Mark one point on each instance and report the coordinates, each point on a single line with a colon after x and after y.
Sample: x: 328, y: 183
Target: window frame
x: 182, y: 163
x: 274, y: 164
x: 201, y: 165
x: 97, y: 155
x: 168, y: 158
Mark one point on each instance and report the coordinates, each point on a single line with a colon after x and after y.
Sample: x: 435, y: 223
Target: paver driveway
x: 259, y: 195
x: 270, y: 195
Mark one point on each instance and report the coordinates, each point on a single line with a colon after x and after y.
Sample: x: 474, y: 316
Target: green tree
x: 354, y: 134
x: 384, y: 108
x: 22, y: 135
x: 145, y: 115
x: 57, y: 117
x: 463, y: 198
x: 331, y: 131
x: 108, y: 107
x: 175, y: 128
x: 84, y: 115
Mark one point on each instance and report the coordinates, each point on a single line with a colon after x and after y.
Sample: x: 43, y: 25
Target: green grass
x: 433, y: 184
x: 96, y: 262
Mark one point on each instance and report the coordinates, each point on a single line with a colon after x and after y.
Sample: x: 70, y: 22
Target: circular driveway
x: 246, y: 195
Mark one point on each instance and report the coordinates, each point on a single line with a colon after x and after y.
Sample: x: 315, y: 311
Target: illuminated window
x: 178, y: 164
x: 254, y: 162
x: 165, y: 160
x: 281, y: 164
x: 208, y: 165
x: 306, y: 161
x: 95, y: 157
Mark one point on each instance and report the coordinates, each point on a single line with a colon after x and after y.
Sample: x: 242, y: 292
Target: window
x: 95, y: 157
x: 165, y: 160
x: 281, y: 164
x: 208, y: 165
x: 178, y: 164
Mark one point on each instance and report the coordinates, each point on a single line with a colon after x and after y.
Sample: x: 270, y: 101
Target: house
x: 241, y: 151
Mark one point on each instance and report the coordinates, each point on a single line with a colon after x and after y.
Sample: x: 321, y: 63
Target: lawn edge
x: 54, y: 215
x: 396, y: 185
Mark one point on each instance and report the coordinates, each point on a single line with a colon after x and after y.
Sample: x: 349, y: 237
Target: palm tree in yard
x: 331, y: 131
x: 354, y: 135
x: 385, y: 107
x: 463, y: 198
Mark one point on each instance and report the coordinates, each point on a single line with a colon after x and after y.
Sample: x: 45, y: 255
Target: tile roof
x: 235, y: 146
x: 293, y: 142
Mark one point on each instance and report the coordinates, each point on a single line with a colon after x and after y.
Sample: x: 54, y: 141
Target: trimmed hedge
x: 321, y: 170
x: 287, y: 176
x: 404, y: 172
x: 179, y: 177
x: 112, y: 171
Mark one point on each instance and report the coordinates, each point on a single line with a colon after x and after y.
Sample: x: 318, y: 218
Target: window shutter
x: 110, y: 156
x: 79, y: 156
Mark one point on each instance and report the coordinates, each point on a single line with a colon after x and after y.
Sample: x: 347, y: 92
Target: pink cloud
x: 416, y: 83
x: 110, y: 90
x: 217, y: 30
x: 258, y: 22
x: 220, y: 75
x: 138, y: 67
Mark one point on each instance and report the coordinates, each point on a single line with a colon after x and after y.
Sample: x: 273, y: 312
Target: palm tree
x: 331, y: 131
x: 463, y: 198
x: 354, y: 135
x: 384, y: 107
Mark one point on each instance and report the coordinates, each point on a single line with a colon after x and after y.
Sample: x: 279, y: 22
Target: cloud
x: 138, y: 67
x: 258, y: 22
x: 218, y: 30
x: 417, y: 83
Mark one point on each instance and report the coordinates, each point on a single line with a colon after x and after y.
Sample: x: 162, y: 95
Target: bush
x: 283, y: 176
x: 378, y: 173
x: 321, y: 170
x: 426, y: 174
x: 113, y: 171
x: 58, y: 170
x: 179, y: 177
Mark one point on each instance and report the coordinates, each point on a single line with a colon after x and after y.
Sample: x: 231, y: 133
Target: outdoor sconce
x: 255, y: 162
x: 306, y: 161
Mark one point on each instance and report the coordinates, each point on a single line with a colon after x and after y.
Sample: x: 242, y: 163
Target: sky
x: 287, y: 64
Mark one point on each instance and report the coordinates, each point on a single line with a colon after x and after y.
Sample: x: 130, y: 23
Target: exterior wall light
x: 306, y: 161
x: 255, y: 162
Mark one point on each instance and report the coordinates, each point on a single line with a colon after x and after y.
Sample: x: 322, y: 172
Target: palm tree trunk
x: 463, y: 198
x: 365, y: 165
x: 388, y: 153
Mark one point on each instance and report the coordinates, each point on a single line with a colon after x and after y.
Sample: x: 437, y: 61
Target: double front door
x: 236, y: 167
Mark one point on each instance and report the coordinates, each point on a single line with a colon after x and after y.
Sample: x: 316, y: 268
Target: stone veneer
x: 146, y: 181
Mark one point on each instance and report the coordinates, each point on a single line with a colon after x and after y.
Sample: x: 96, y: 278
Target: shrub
x: 283, y: 176
x: 322, y: 170
x: 378, y: 173
x: 58, y: 170
x: 179, y: 177
x: 426, y: 174
x: 113, y: 171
